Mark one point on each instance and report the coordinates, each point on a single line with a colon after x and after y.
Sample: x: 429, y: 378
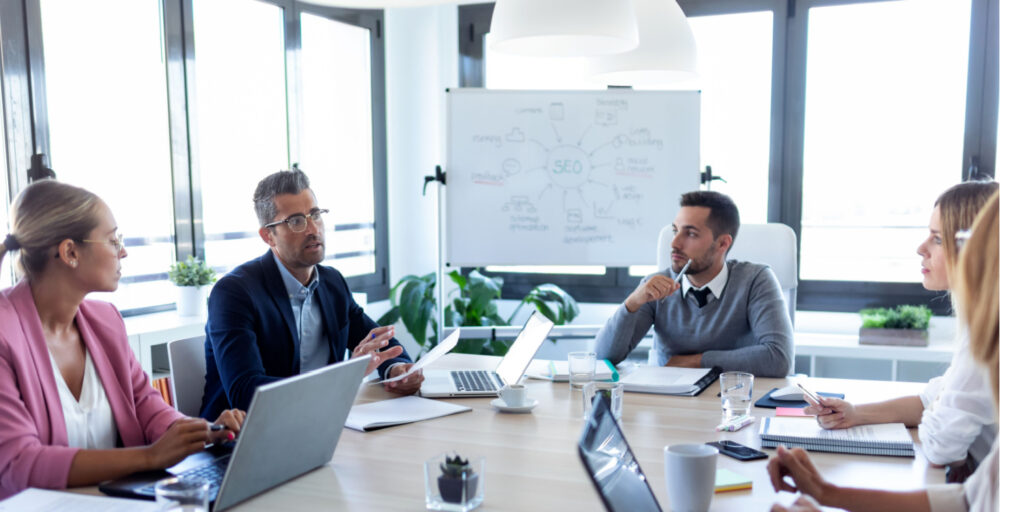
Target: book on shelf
x: 880, y: 439
x: 163, y: 385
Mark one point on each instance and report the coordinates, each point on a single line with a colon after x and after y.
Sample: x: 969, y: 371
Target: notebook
x: 669, y: 380
x: 479, y: 383
x: 879, y: 439
x: 292, y: 427
x: 611, y: 465
x: 399, y: 411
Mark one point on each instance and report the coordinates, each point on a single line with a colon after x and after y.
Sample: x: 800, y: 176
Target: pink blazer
x: 34, y: 448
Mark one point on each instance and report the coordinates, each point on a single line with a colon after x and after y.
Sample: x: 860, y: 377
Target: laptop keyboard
x: 212, y: 473
x: 474, y: 380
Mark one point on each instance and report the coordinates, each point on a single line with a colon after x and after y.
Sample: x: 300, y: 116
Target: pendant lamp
x: 667, y: 51
x: 563, y: 28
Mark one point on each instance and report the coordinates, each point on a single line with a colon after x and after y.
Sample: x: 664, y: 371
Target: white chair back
x: 187, y: 359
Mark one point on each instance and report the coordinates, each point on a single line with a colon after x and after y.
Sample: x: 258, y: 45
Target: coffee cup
x: 514, y: 395
x: 690, y: 476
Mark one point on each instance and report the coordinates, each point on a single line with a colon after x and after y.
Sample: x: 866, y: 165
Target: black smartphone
x: 738, y: 451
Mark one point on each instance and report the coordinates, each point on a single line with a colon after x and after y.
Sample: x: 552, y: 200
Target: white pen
x: 679, y: 278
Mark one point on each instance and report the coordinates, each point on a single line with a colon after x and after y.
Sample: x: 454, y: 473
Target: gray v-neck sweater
x: 747, y: 329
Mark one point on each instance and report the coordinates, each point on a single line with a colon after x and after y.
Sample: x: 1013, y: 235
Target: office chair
x: 187, y: 359
x: 771, y: 244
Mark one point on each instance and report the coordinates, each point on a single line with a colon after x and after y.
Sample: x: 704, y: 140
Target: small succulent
x: 456, y: 467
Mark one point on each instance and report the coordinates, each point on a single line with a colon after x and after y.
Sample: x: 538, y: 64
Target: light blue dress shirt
x: 313, y: 348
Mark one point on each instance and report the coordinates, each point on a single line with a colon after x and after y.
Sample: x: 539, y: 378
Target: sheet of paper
x: 398, y: 411
x: 441, y: 349
x: 32, y: 500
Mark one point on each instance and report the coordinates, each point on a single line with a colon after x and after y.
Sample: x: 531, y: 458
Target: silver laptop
x: 473, y: 383
x: 292, y: 427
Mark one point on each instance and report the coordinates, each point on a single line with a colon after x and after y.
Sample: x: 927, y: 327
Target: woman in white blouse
x: 977, y: 289
x: 955, y: 414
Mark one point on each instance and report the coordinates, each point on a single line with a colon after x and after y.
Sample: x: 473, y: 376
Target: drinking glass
x: 737, y: 390
x: 611, y: 390
x: 183, y: 494
x: 581, y: 368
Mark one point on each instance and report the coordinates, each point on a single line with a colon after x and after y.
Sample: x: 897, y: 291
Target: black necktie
x: 701, y: 295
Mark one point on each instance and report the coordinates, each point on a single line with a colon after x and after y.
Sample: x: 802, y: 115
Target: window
x: 337, y: 137
x: 1010, y: 158
x: 108, y: 126
x: 884, y: 133
x: 242, y: 120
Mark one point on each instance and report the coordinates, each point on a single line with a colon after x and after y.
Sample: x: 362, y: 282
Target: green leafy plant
x: 900, y: 317
x: 472, y: 303
x: 191, y: 272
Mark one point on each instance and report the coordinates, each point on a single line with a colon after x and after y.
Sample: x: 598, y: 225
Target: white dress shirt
x: 89, y: 420
x: 959, y: 414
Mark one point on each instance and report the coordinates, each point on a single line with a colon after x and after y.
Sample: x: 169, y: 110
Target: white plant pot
x: 192, y: 300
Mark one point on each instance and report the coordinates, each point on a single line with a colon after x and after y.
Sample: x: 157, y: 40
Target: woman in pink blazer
x: 69, y: 247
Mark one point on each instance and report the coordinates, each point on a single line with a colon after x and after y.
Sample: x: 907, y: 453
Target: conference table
x: 532, y: 462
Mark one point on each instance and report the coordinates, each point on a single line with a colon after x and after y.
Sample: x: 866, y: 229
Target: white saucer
x: 500, y: 405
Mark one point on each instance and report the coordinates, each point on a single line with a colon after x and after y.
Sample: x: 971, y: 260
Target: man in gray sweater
x: 729, y: 314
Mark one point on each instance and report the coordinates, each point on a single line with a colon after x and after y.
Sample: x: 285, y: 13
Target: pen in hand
x: 679, y: 277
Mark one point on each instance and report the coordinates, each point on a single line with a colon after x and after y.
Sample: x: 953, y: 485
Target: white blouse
x: 89, y: 420
x: 979, y: 493
x: 959, y: 414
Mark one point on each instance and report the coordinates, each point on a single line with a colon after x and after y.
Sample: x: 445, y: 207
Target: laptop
x: 483, y: 383
x: 288, y: 431
x: 611, y: 465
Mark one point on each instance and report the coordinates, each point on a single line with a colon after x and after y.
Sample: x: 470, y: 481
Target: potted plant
x: 193, y: 279
x: 414, y: 304
x: 902, y: 325
x: 457, y: 482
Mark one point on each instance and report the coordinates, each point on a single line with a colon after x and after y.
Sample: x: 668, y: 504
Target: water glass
x: 453, y: 488
x: 183, y: 494
x: 581, y: 368
x: 611, y: 390
x: 737, y: 390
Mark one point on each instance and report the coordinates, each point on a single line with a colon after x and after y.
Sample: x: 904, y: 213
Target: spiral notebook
x: 881, y: 439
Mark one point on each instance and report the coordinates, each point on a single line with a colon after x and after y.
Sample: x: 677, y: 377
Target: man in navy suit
x: 283, y: 313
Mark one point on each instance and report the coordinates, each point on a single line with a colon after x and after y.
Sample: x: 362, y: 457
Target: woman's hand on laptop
x: 407, y: 385
x: 184, y: 437
x: 227, y: 426
x: 375, y: 340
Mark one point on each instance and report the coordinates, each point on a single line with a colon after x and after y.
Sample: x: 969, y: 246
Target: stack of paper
x: 32, y: 500
x: 668, y: 380
x: 398, y: 411
x: 728, y: 480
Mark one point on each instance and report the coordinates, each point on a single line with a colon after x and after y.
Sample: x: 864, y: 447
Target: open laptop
x: 477, y: 383
x: 611, y: 465
x: 292, y: 427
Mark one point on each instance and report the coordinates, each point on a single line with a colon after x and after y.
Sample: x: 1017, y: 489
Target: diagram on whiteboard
x: 574, y: 173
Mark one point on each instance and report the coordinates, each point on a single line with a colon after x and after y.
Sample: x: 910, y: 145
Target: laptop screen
x: 611, y: 465
x: 519, y: 355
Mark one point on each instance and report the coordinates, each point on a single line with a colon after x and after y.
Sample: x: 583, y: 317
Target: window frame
x: 22, y: 81
x: 785, y: 173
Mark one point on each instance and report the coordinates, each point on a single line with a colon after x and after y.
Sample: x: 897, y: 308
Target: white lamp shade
x: 667, y: 52
x: 563, y: 28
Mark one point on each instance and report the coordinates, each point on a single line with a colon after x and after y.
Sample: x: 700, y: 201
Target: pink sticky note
x: 791, y: 411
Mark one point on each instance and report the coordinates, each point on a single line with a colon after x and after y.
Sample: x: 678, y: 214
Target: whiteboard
x: 566, y: 177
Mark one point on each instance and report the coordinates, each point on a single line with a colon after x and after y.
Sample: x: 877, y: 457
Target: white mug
x: 514, y: 395
x: 690, y: 476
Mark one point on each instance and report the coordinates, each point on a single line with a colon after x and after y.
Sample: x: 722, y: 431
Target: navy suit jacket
x: 251, y: 338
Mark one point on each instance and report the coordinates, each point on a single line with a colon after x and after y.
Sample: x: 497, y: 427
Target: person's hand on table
x: 796, y: 465
x: 802, y: 504
x: 687, y: 361
x: 406, y: 385
x: 231, y: 420
x: 836, y: 413
x: 657, y: 287
x: 375, y: 340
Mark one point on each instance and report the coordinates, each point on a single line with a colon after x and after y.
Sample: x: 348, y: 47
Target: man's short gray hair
x: 291, y: 181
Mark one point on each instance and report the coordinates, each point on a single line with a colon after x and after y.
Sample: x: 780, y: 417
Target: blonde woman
x: 955, y: 414
x: 976, y: 282
x: 75, y: 406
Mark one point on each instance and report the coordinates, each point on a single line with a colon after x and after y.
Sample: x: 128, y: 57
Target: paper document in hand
x: 441, y: 349
x: 663, y: 379
x: 398, y: 411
